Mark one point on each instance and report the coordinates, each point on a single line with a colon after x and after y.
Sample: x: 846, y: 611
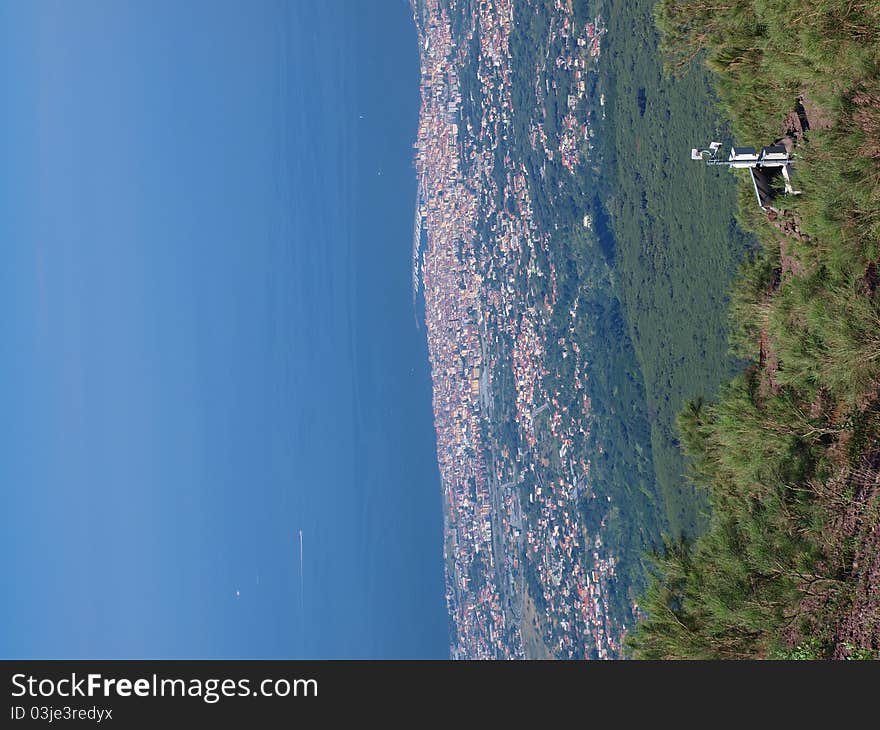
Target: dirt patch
x: 532, y: 631
x: 813, y: 116
x: 866, y: 117
x: 858, y: 525
x: 787, y: 223
x: 795, y: 126
x: 859, y: 628
x: 789, y: 263
x: 768, y: 364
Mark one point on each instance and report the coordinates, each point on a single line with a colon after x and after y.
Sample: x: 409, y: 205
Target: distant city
x: 525, y: 576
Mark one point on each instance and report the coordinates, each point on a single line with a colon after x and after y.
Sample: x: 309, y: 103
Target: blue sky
x: 208, y: 338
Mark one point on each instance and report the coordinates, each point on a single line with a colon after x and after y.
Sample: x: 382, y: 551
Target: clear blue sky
x: 208, y: 336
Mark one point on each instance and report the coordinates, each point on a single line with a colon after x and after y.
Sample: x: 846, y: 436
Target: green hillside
x: 676, y: 244
x: 789, y: 452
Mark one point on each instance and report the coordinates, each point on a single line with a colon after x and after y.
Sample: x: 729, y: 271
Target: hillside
x: 672, y: 236
x: 788, y: 453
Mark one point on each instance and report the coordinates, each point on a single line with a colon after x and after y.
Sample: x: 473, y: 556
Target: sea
x: 210, y: 340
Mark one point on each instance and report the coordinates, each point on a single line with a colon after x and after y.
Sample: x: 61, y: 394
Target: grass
x: 788, y: 452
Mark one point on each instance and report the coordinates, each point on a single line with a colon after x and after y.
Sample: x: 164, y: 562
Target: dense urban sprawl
x: 524, y: 575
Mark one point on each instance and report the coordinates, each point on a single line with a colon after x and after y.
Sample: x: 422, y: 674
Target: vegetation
x: 650, y: 278
x: 789, y: 451
x: 673, y: 239
x: 619, y: 443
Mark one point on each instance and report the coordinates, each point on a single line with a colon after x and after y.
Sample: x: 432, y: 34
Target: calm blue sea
x: 208, y: 334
